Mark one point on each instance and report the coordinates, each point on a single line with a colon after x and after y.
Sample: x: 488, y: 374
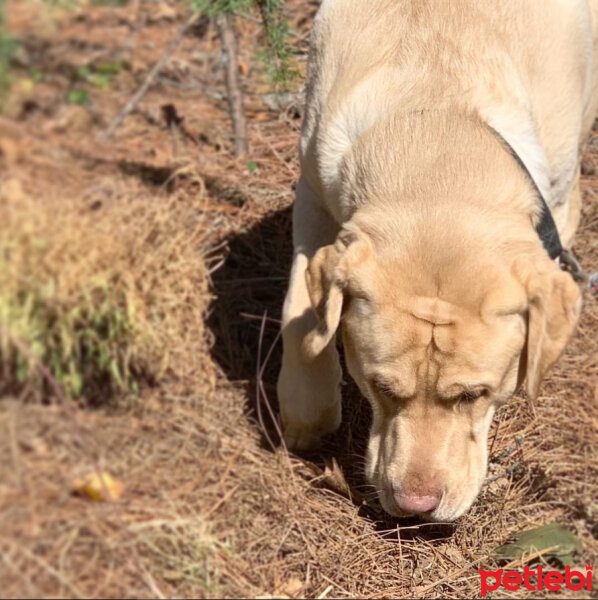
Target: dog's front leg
x: 308, y: 391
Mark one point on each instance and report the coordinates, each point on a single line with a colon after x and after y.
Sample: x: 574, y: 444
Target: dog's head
x: 437, y: 339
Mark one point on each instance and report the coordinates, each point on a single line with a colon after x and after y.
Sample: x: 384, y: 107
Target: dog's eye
x: 471, y: 396
x: 382, y: 388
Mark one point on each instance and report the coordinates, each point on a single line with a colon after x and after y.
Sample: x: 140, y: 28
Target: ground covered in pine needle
x: 160, y: 260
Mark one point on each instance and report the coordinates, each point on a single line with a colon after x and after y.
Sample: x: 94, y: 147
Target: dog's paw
x: 301, y: 438
x: 308, y: 436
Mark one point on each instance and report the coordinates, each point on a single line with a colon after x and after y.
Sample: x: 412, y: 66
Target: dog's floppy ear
x: 328, y: 275
x: 553, y: 311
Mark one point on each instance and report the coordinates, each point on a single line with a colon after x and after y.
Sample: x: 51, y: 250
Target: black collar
x: 546, y: 227
x: 547, y: 231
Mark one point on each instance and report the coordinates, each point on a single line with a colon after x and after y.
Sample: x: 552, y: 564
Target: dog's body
x: 415, y: 216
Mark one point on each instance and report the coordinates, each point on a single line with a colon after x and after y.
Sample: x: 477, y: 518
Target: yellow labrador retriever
x: 435, y: 134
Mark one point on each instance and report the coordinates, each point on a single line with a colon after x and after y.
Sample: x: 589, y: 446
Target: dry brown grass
x: 209, y: 508
x: 104, y: 294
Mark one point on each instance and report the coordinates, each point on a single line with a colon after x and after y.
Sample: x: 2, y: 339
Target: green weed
x: 8, y: 46
x: 97, y: 303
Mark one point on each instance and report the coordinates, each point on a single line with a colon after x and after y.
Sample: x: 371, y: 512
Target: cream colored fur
x: 415, y: 225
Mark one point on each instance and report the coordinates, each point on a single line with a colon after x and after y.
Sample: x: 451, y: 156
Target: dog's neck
x: 429, y: 158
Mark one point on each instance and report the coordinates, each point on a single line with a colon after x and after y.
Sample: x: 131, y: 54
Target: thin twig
x: 504, y: 474
x: 258, y: 318
x: 261, y: 391
x: 223, y: 500
x: 258, y: 386
x: 134, y: 101
x: 494, y: 438
x: 264, y: 395
x: 228, y: 39
x: 510, y: 450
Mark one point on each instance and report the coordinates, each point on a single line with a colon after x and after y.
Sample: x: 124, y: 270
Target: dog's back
x: 525, y: 68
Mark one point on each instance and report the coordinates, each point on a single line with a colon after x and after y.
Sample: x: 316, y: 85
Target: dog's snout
x: 417, y: 501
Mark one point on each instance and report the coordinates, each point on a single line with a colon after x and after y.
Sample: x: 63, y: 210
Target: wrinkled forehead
x: 477, y: 351
x: 411, y: 339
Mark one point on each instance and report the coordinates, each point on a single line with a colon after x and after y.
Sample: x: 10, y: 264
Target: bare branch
x: 134, y: 101
x: 226, y: 31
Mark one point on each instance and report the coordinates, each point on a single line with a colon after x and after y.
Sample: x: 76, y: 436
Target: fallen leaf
x: 99, y: 486
x: 27, y: 85
x: 552, y: 541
